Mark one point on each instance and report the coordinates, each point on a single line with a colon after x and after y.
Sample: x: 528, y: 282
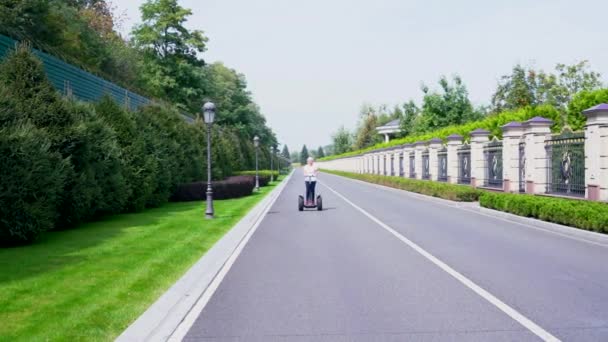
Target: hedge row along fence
x: 491, y: 123
x: 575, y: 213
x: 231, y: 187
x: 263, y: 175
x: 63, y: 162
x: 460, y: 193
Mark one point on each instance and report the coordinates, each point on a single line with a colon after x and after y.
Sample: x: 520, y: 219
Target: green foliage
x: 31, y: 183
x: 492, y: 123
x: 576, y: 213
x: 285, y: 152
x: 320, y: 152
x: 447, y: 191
x: 366, y: 134
x: 304, y: 155
x: 581, y: 101
x: 410, y: 115
x: 342, y: 141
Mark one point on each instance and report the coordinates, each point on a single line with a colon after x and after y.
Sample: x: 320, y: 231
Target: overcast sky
x: 311, y: 64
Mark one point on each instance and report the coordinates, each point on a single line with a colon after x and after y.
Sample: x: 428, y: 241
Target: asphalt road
x: 386, y: 273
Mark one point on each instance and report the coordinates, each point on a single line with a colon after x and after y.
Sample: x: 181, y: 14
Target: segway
x: 315, y: 204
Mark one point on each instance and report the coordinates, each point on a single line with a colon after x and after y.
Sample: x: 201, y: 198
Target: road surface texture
x: 404, y: 269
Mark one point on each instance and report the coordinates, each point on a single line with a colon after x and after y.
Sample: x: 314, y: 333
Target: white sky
x: 311, y: 64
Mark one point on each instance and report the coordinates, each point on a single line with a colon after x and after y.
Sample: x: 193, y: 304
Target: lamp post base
x: 209, y: 214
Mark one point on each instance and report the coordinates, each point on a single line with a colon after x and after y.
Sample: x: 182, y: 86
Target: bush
x: 31, y: 181
x: 263, y: 175
x: 581, y: 101
x: 232, y: 187
x: 576, y: 213
x: 453, y: 192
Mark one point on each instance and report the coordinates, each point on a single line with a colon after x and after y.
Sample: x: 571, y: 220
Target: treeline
x: 450, y: 106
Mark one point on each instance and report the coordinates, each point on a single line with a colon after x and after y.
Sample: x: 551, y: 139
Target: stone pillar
x: 420, y: 146
x: 479, y: 138
x: 596, y: 153
x: 407, y: 149
x: 536, y: 132
x: 434, y: 146
x: 511, y: 136
x: 454, y: 141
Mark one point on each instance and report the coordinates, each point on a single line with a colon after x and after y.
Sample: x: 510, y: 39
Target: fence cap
x: 512, y: 125
x: 435, y: 141
x: 602, y: 107
x: 539, y: 121
x: 408, y: 145
x: 480, y: 132
x: 420, y: 143
x: 453, y: 137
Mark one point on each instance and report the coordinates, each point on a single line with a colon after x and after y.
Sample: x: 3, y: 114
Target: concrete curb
x: 163, y: 317
x: 474, y: 207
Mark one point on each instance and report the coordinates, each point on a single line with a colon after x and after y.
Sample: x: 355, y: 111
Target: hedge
x: 492, y: 123
x: 263, y: 175
x: 575, y: 213
x: 453, y: 192
x: 232, y: 187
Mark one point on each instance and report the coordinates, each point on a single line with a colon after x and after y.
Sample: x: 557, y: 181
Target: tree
x: 366, y: 134
x: 342, y: 141
x: 285, y: 153
x: 451, y: 106
x: 320, y: 152
x: 172, y: 68
x: 410, y: 115
x: 304, y: 155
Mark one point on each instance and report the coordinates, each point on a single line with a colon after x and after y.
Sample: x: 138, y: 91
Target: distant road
x: 382, y: 265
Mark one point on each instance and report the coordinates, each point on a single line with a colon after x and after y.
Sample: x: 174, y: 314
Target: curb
x: 474, y: 207
x: 164, y: 316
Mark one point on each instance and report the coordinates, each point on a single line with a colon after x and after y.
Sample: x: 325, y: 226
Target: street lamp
x: 271, y: 163
x: 256, y: 143
x: 209, y: 116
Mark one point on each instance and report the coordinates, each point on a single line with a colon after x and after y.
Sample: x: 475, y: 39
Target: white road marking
x: 183, y: 328
x: 514, y: 314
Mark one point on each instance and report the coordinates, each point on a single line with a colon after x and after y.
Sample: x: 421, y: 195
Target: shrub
x: 31, y: 181
x: 576, y: 213
x: 461, y: 193
x: 232, y: 187
x: 581, y: 101
x: 263, y: 175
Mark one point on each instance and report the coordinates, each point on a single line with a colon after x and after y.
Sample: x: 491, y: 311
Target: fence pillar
x: 454, y: 141
x: 420, y: 146
x: 478, y: 138
x: 536, y: 132
x: 511, y: 136
x: 596, y: 153
x: 434, y: 146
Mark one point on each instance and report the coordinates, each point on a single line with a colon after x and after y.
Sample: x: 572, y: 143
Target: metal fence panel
x: 522, y: 167
x: 426, y: 172
x: 566, y: 164
x: 464, y: 164
x: 412, y: 165
x: 442, y: 165
x: 401, y: 168
x: 493, y: 164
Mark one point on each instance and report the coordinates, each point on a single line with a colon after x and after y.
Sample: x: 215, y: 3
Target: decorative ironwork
x: 412, y: 165
x: 442, y: 165
x: 426, y: 168
x: 384, y: 164
x: 401, y: 168
x: 378, y: 165
x: 566, y: 164
x: 493, y: 163
x: 464, y: 164
x: 522, y: 167
x: 392, y: 164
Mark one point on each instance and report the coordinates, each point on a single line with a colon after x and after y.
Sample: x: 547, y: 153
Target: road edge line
x: 502, y: 306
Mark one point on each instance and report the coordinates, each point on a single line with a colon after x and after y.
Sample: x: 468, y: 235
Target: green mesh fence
x: 70, y: 80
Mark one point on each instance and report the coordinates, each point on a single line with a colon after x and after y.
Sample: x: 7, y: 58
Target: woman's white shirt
x: 310, y: 173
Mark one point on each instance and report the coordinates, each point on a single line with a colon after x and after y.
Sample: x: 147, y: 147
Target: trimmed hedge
x: 232, y: 187
x: 453, y: 192
x: 575, y: 213
x: 263, y: 175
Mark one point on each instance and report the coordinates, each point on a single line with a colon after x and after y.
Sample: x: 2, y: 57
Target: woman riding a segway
x: 310, y: 178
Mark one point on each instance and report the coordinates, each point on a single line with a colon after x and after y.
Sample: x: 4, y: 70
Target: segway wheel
x: 319, y: 203
x: 300, y: 203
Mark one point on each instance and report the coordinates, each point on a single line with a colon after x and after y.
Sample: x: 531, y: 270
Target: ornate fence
x: 392, y: 164
x: 566, y: 164
x: 401, y: 168
x: 494, y: 164
x: 412, y: 165
x: 464, y: 164
x: 442, y: 164
x: 426, y: 171
x: 522, y: 167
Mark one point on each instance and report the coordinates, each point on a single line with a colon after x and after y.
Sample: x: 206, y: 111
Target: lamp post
x: 256, y: 143
x: 271, y: 163
x: 209, y: 116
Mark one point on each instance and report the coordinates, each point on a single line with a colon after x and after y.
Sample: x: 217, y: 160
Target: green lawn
x: 90, y: 283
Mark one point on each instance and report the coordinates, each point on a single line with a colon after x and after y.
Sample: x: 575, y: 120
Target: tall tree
x: 342, y: 141
x: 366, y: 134
x: 285, y: 153
x: 304, y: 155
x: 320, y: 152
x: 410, y: 115
x: 172, y: 65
